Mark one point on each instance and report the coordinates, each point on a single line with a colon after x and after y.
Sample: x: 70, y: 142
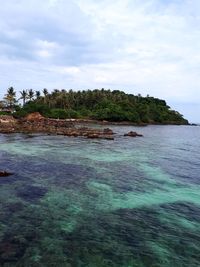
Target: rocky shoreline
x: 36, y: 123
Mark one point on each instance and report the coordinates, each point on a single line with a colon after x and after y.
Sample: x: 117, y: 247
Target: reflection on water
x: 75, y: 202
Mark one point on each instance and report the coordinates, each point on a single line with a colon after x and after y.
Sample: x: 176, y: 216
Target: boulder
x: 92, y: 135
x: 35, y: 116
x: 7, y: 119
x: 108, y: 131
x: 133, y: 134
x: 100, y: 136
x: 107, y: 137
x: 4, y: 173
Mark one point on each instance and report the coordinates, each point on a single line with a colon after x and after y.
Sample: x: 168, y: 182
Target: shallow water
x: 76, y: 202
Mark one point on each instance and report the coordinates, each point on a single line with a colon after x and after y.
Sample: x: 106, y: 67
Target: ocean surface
x: 75, y: 202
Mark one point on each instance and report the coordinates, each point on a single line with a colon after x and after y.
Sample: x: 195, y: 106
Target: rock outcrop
x: 7, y: 124
x: 5, y: 173
x: 36, y: 123
x: 133, y: 134
x: 35, y: 116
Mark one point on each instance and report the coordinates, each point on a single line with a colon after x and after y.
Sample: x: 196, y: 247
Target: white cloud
x: 46, y: 49
x: 44, y: 44
x: 68, y: 70
x: 52, y: 3
x: 44, y: 53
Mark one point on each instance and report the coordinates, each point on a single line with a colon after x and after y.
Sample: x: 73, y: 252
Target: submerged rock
x: 100, y: 136
x: 31, y: 193
x: 10, y: 251
x: 93, y: 136
x: 107, y: 137
x: 108, y: 131
x: 133, y: 134
x: 5, y: 173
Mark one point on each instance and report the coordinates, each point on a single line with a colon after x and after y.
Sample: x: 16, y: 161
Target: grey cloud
x: 64, y: 24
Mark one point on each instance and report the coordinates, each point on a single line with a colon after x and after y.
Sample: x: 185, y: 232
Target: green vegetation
x: 94, y: 104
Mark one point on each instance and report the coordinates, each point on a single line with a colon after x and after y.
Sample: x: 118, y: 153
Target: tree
x: 10, y: 97
x: 31, y: 94
x: 104, y: 105
x: 45, y: 92
x: 24, y: 96
x: 37, y: 93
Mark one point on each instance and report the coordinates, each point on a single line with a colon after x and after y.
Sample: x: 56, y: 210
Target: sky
x: 147, y: 47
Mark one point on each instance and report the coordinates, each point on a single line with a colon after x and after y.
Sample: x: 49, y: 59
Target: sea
x: 78, y: 202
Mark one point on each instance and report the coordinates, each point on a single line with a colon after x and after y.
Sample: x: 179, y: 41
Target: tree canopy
x: 100, y: 105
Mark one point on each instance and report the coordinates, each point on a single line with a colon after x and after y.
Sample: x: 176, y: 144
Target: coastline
x: 36, y: 123
x: 126, y: 123
x: 121, y: 123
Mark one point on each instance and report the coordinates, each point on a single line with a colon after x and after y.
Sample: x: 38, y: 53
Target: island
x: 98, y: 105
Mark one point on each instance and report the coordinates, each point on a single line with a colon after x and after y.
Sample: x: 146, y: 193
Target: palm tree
x: 10, y: 97
x: 24, y: 96
x: 37, y: 93
x: 45, y: 92
x: 31, y: 94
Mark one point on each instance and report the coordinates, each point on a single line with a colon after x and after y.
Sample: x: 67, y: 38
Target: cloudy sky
x: 147, y: 47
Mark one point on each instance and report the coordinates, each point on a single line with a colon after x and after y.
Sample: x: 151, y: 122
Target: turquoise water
x: 76, y: 202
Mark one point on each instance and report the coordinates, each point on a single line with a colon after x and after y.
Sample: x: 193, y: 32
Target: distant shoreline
x: 126, y: 123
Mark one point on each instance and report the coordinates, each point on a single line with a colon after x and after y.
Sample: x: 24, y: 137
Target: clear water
x: 76, y: 202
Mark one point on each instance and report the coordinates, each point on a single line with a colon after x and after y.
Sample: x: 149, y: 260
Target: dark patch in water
x: 109, y: 239
x: 31, y: 193
x: 15, y: 207
x: 11, y: 250
x: 72, y: 175
x: 189, y: 210
x: 11, y: 179
x: 112, y: 238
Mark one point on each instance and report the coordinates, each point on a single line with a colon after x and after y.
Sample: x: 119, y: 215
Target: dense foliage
x: 98, y: 104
